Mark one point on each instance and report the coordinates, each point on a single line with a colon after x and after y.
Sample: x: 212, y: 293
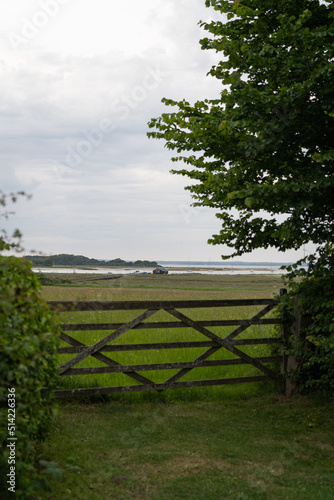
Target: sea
x: 181, y: 267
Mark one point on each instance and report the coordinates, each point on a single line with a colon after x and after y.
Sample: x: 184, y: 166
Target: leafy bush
x: 314, y: 350
x: 27, y: 364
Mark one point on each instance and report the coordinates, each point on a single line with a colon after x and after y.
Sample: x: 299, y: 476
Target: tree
x: 12, y: 242
x: 262, y: 152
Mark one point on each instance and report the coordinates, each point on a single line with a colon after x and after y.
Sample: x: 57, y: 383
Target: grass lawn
x: 257, y: 448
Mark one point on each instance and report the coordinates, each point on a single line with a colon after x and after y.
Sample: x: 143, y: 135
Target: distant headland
x: 64, y: 259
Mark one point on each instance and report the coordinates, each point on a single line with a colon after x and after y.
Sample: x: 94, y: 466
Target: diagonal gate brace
x: 90, y: 350
x: 222, y: 343
x: 242, y: 328
x: 105, y: 359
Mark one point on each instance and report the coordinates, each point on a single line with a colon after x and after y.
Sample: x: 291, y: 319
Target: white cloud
x: 80, y: 81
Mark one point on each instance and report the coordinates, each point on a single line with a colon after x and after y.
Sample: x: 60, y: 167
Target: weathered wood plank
x: 167, y: 345
x: 253, y: 321
x: 224, y: 343
x: 157, y: 387
x: 214, y: 344
x: 167, y: 366
x: 152, y: 304
x: 112, y: 336
x: 141, y: 347
x: 150, y: 325
x: 199, y: 359
x: 106, y: 360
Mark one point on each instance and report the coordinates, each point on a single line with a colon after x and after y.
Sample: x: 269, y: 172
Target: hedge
x: 28, y: 373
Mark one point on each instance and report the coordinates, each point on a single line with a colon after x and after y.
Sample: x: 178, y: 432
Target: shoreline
x: 149, y: 270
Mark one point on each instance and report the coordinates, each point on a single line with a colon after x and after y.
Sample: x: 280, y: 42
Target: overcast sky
x: 80, y: 81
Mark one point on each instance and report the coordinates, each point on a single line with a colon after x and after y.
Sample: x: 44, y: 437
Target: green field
x: 257, y: 283
x: 245, y: 441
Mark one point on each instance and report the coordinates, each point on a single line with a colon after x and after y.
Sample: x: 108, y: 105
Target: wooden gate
x: 211, y: 342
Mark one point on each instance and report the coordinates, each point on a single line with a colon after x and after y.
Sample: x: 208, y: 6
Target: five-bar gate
x: 212, y: 342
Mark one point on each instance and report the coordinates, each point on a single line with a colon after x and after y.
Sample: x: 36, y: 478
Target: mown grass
x: 254, y: 448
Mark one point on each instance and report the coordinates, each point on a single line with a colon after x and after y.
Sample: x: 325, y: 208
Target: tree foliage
x: 13, y: 241
x: 314, y: 349
x: 262, y: 152
x: 265, y: 146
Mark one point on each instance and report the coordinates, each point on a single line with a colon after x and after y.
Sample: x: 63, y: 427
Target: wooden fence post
x: 300, y: 322
x: 291, y: 363
x: 284, y: 335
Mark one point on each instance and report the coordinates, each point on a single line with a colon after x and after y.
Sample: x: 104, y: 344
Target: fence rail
x: 146, y: 309
x: 126, y: 305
